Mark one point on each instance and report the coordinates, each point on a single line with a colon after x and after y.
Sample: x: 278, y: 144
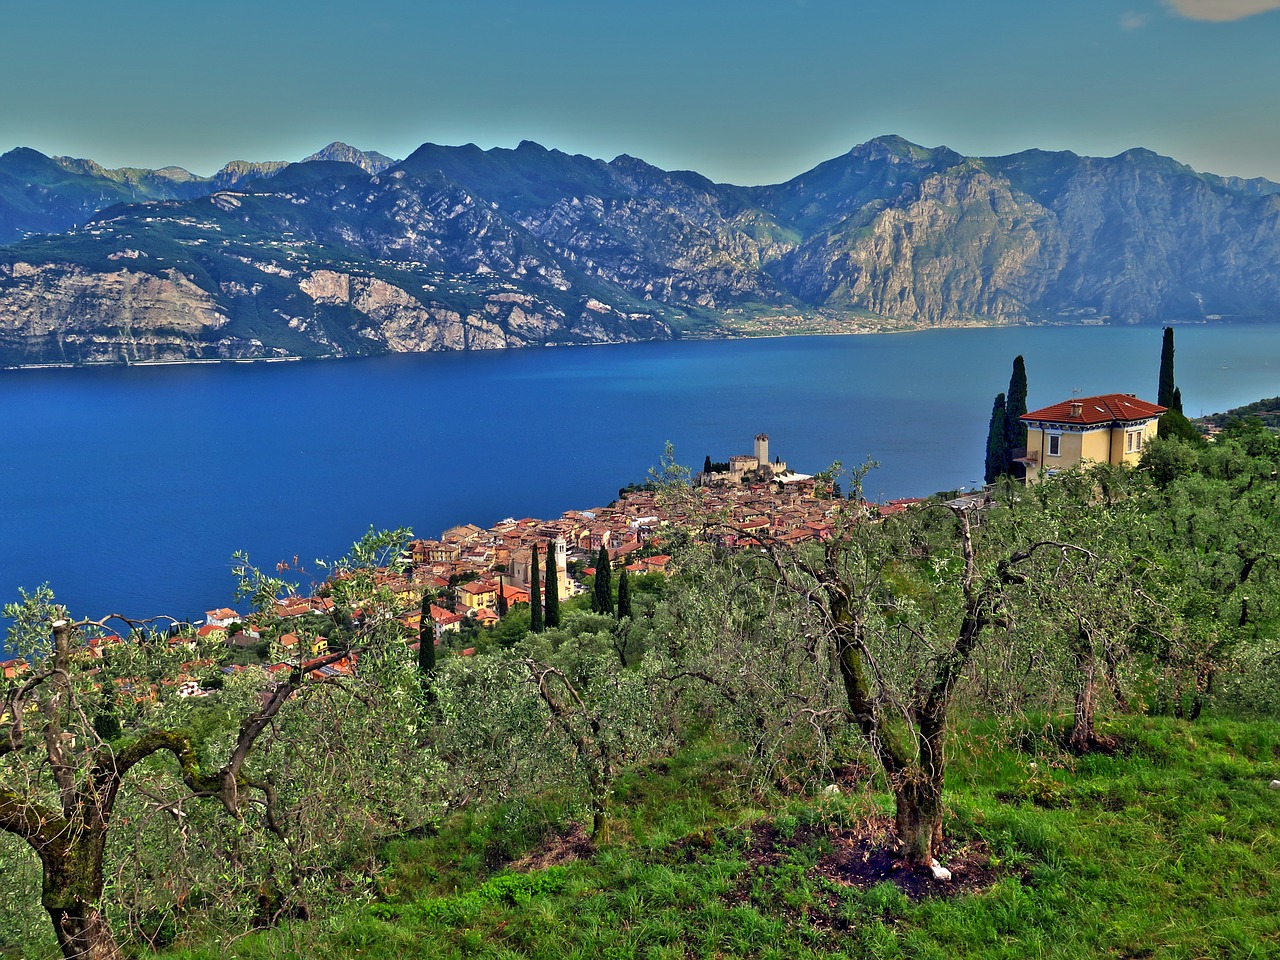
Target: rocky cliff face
x: 459, y: 248
x: 961, y: 247
x: 1144, y: 238
x: 1135, y: 238
x: 51, y: 313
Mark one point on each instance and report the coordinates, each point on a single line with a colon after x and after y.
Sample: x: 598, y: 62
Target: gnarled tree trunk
x: 1084, y: 735
x: 83, y: 933
x: 915, y: 762
x: 918, y: 819
x: 73, y: 883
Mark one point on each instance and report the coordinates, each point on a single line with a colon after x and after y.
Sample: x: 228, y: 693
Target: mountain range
x: 350, y: 253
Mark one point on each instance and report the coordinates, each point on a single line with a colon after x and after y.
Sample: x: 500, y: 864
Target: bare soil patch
x: 866, y: 856
x: 557, y: 848
x: 860, y: 855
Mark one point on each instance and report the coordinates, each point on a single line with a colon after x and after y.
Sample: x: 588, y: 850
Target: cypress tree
x: 427, y: 650
x: 602, y: 593
x: 106, y: 723
x: 426, y: 640
x: 1174, y: 424
x: 706, y: 464
x: 624, y: 595
x: 502, y: 599
x: 997, y: 447
x: 1015, y: 431
x: 535, y: 592
x: 1164, y: 392
x: 553, y: 588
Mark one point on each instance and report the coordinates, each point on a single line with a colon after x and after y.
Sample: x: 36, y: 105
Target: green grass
x: 1166, y: 849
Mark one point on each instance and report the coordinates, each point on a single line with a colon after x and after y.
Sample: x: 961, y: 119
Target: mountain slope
x: 40, y: 194
x: 461, y: 248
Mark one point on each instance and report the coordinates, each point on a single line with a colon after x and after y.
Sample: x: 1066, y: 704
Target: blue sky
x: 744, y: 91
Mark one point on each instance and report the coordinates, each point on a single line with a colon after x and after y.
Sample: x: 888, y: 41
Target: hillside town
x: 470, y: 577
x: 465, y: 582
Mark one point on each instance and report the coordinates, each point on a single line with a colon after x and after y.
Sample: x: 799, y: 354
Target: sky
x: 743, y: 91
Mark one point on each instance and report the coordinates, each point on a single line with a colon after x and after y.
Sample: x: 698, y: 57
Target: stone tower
x: 762, y: 448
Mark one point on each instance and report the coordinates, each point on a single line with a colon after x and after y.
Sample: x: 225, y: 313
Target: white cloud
x: 1134, y: 21
x: 1221, y: 9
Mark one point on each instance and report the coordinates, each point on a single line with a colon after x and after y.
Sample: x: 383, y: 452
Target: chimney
x: 1077, y: 409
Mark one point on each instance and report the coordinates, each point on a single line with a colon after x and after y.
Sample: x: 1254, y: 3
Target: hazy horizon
x: 751, y: 92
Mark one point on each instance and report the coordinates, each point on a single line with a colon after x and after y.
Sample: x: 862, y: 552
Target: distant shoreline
x: 832, y: 328
x: 152, y: 363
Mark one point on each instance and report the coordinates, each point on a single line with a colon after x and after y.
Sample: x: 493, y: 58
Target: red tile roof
x: 444, y: 617
x: 1091, y: 411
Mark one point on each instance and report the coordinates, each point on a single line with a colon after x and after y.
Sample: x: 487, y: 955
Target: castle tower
x: 762, y: 448
x: 562, y: 565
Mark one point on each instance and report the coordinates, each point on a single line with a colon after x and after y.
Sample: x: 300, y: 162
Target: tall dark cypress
x: 624, y: 595
x: 602, y: 594
x: 535, y: 592
x: 1015, y: 431
x: 553, y: 588
x: 1164, y: 392
x: 502, y: 599
x: 427, y: 649
x: 106, y: 723
x: 706, y: 464
x: 426, y: 639
x: 997, y: 448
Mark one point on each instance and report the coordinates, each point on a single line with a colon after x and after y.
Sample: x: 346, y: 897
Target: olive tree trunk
x: 72, y: 892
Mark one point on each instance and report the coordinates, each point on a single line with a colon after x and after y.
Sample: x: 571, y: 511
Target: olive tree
x: 557, y: 711
x: 1077, y: 612
x: 605, y: 713
x: 891, y: 613
x: 1210, y: 533
x: 65, y: 775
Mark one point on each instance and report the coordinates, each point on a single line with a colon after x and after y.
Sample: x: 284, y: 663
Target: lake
x: 128, y: 489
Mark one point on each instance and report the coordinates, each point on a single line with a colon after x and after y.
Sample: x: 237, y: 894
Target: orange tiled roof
x: 1094, y: 411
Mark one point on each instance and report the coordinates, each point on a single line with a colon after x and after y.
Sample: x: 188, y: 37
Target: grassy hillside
x: 1166, y: 848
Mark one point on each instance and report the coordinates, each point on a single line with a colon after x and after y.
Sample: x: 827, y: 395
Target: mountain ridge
x: 348, y: 252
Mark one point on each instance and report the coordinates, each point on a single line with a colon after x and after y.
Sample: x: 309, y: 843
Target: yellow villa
x: 478, y: 594
x: 1112, y: 428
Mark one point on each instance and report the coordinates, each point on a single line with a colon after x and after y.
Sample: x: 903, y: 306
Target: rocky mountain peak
x: 370, y: 161
x: 896, y: 149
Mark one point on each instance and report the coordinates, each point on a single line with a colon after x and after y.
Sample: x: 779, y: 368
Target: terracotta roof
x: 1107, y: 408
x: 444, y: 617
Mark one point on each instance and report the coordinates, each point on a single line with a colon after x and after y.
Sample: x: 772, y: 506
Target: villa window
x: 1055, y: 444
x: 1133, y: 441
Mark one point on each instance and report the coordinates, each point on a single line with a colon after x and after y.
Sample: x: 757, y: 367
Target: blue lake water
x: 129, y: 489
